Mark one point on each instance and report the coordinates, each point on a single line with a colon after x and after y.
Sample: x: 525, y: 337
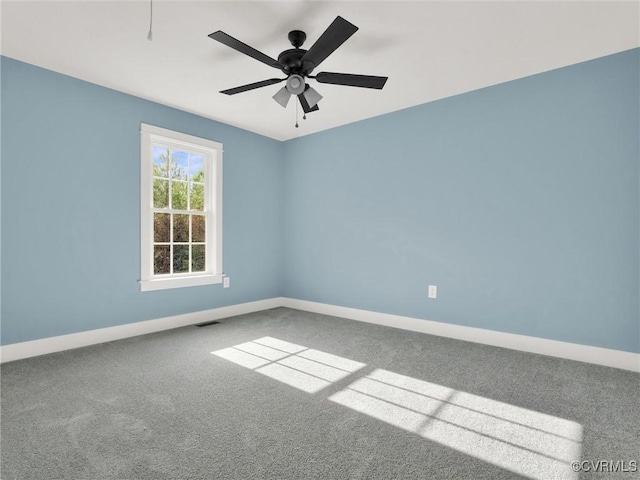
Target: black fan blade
x: 365, y: 81
x: 229, y: 41
x: 251, y: 86
x: 305, y: 105
x: 335, y: 35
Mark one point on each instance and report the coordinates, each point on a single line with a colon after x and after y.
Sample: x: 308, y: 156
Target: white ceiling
x: 429, y: 50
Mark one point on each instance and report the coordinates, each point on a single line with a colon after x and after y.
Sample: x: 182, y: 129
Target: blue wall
x: 520, y: 201
x: 71, y: 208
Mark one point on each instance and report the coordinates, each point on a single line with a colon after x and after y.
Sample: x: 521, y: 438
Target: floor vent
x: 206, y: 324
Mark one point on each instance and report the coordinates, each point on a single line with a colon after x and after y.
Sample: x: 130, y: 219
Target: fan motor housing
x: 291, y: 59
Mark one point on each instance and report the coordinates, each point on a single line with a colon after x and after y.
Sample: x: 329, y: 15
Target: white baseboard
x: 17, y: 351
x: 553, y: 348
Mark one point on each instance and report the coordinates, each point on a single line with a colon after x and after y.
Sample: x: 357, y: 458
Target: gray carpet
x: 294, y: 395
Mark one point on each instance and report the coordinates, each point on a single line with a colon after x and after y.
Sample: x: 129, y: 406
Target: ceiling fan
x: 298, y: 63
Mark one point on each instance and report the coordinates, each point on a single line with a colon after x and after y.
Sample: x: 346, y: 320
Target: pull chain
x: 150, y: 34
x: 296, y: 114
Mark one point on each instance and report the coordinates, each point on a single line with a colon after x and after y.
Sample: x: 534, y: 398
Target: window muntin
x: 179, y: 217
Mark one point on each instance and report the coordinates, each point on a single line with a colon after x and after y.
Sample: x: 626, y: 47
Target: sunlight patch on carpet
x: 306, y: 369
x: 529, y: 443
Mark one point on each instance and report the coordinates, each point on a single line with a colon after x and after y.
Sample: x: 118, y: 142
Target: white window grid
x: 212, y: 211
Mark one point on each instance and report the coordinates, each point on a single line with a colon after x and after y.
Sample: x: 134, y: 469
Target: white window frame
x: 212, y: 152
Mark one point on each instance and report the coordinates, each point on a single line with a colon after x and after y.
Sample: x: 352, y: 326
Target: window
x: 181, y: 210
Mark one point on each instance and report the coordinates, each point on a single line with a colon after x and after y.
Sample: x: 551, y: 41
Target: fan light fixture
x: 282, y: 96
x: 312, y: 96
x: 297, y: 86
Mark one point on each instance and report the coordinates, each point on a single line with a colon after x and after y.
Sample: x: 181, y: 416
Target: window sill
x: 179, y: 282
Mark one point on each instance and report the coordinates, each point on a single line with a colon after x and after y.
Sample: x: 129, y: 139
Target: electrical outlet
x: 433, y: 291
x: 226, y: 282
